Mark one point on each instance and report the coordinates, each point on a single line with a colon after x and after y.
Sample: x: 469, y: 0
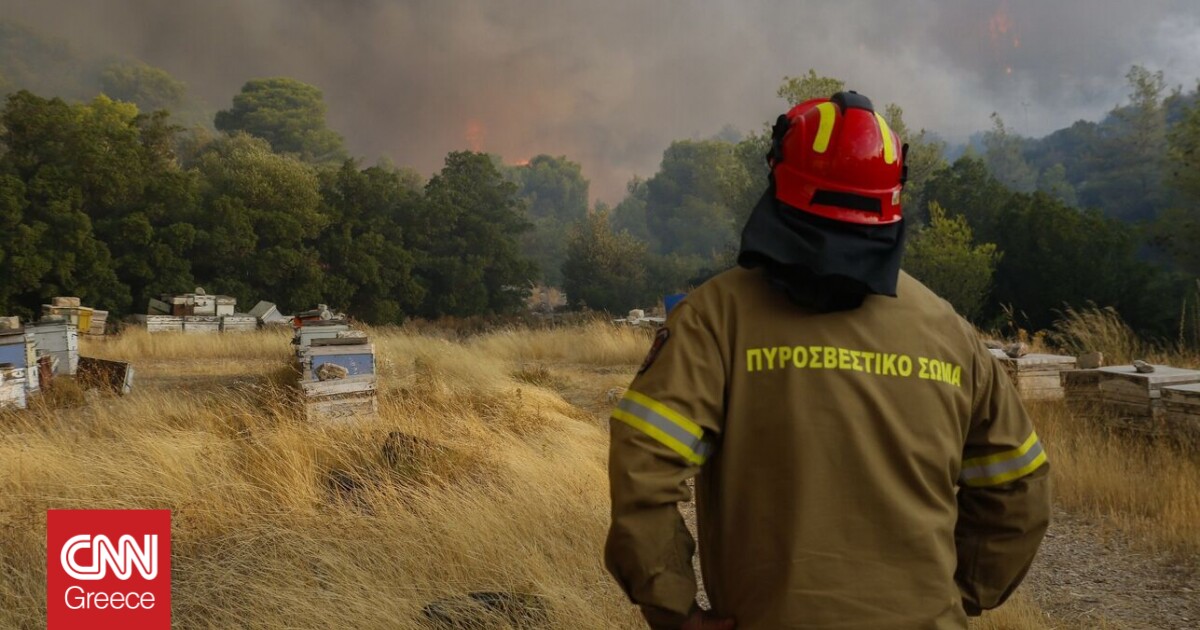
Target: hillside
x: 484, y: 472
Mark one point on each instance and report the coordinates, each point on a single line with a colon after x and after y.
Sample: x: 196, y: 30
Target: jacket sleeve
x: 1004, y: 492
x: 663, y: 430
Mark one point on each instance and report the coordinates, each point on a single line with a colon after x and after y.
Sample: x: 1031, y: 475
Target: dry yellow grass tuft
x: 485, y: 470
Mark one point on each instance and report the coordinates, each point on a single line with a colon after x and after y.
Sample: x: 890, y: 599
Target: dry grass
x: 1150, y: 489
x: 489, y: 480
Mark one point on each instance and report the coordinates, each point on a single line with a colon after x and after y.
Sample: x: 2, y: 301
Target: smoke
x: 611, y: 83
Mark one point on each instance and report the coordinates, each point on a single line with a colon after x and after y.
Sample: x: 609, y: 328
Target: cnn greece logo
x: 121, y: 557
x: 108, y: 569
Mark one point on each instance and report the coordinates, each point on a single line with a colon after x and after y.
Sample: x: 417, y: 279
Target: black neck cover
x: 819, y: 263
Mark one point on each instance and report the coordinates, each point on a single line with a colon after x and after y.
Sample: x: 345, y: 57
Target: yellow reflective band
x: 1011, y: 475
x: 658, y: 434
x: 889, y: 147
x: 1002, y: 456
x: 825, y: 129
x: 666, y: 412
x: 1000, y: 468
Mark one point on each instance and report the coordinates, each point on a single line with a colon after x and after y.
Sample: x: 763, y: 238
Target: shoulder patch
x: 660, y: 340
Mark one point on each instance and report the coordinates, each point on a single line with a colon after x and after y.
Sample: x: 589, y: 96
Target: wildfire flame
x: 475, y: 134
x: 1000, y: 28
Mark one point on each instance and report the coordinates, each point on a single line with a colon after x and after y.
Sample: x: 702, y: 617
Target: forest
x: 116, y: 186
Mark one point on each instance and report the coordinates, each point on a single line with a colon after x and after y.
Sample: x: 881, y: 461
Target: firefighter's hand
x: 701, y: 620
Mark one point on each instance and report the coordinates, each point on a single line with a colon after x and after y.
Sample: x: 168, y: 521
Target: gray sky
x: 610, y: 83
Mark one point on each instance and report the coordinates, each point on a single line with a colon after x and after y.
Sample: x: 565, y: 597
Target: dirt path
x: 1088, y: 576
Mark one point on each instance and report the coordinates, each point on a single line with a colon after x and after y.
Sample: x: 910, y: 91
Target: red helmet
x: 837, y: 158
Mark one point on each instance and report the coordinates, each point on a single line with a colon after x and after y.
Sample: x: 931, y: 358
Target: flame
x: 475, y: 134
x: 999, y: 23
x: 524, y: 162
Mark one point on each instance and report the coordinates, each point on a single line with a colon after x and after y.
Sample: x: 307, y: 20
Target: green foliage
x: 1055, y: 255
x: 943, y: 256
x: 1002, y: 154
x: 556, y: 196
x: 288, y: 114
x: 1178, y: 229
x: 604, y: 270
x: 1130, y: 155
x: 369, y: 269
x: 1053, y: 182
x: 259, y: 216
x: 101, y: 208
x: 688, y: 202
x: 796, y: 90
x: 465, y: 235
x: 926, y: 156
x: 151, y: 89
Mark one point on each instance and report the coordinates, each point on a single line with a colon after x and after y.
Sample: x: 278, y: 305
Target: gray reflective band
x: 698, y: 445
x: 987, y: 471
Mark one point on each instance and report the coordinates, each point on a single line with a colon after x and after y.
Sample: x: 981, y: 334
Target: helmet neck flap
x: 819, y: 263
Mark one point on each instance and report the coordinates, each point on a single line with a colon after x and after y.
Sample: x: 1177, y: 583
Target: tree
x: 288, y: 114
x: 688, y: 202
x: 1130, y: 155
x: 150, y: 88
x: 944, y: 257
x: 465, y: 236
x: 1003, y: 156
x: 1178, y: 229
x: 924, y: 158
x: 796, y: 90
x: 630, y: 214
x: 258, y: 222
x: 604, y: 270
x: 556, y: 196
x: 1053, y: 182
x: 104, y: 208
x: 368, y: 269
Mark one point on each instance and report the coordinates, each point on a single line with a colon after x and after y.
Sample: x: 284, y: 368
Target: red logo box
x: 108, y: 569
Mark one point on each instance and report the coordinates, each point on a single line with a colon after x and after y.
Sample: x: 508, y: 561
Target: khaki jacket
x: 871, y: 468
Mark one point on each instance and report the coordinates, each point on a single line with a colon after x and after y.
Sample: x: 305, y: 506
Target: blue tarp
x: 13, y: 353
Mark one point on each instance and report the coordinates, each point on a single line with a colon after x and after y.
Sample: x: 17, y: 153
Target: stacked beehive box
x: 1038, y: 376
x: 115, y: 376
x: 58, y: 340
x: 1137, y: 396
x: 13, y: 392
x: 1181, y: 410
x: 336, y: 368
x: 69, y: 309
x: 13, y: 361
x: 1081, y: 390
x: 197, y: 313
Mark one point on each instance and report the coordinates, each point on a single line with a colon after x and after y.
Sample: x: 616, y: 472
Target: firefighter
x: 861, y: 460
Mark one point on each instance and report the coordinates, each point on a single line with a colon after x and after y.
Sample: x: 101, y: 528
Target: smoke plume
x: 611, y: 83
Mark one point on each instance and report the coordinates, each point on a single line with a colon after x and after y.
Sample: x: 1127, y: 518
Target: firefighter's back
x: 830, y: 502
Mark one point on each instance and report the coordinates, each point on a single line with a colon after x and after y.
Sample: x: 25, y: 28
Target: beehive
x: 1038, y: 376
x: 1181, y: 410
x: 1133, y: 395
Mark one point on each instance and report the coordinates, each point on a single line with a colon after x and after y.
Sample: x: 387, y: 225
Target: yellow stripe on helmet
x: 825, y: 129
x: 889, y: 147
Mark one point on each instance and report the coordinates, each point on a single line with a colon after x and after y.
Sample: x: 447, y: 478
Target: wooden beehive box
x: 59, y: 340
x: 339, y: 399
x: 115, y: 376
x: 201, y: 324
x: 161, y: 323
x: 99, y: 323
x: 1181, y: 410
x: 239, y: 323
x: 12, y: 388
x: 1038, y: 376
x: 1081, y: 390
x: 1131, y: 394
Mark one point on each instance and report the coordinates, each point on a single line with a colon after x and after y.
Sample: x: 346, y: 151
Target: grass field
x: 485, y: 471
